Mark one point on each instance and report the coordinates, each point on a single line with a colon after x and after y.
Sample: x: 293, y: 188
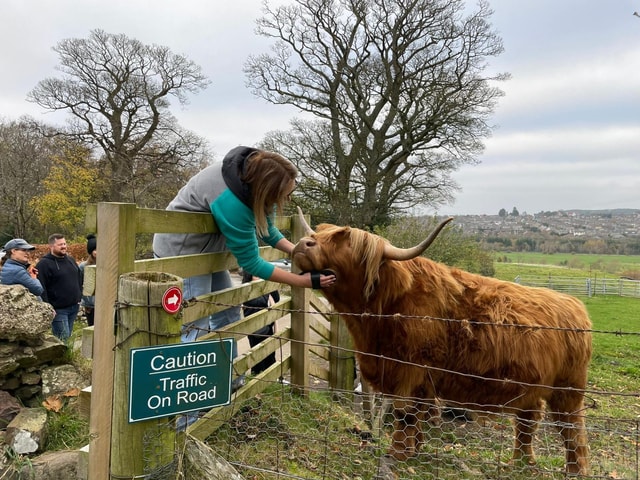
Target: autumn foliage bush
x: 76, y: 250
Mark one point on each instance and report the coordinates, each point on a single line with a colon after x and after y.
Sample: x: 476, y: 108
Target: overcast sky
x: 568, y: 128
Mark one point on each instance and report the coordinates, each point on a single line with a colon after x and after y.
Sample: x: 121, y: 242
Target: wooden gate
x: 118, y: 227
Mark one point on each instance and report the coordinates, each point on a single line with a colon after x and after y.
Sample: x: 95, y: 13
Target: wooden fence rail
x: 588, y: 287
x: 117, y: 226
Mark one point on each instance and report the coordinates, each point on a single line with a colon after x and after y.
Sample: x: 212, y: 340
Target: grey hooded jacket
x: 197, y: 196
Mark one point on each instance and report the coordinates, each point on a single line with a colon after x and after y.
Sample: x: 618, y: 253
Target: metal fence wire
x: 588, y: 287
x: 338, y: 434
x: 330, y: 435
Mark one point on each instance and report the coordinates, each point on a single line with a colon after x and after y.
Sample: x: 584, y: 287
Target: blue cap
x: 17, y: 243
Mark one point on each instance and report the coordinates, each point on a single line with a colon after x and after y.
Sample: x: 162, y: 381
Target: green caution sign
x: 172, y: 379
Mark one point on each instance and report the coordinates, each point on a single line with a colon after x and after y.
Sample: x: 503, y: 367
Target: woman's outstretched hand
x: 322, y: 279
x: 319, y: 279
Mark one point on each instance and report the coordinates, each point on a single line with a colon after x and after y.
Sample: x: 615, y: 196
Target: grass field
x: 527, y: 265
x: 602, y: 264
x: 615, y: 364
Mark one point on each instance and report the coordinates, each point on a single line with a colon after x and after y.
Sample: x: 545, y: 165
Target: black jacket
x: 62, y: 280
x: 256, y: 304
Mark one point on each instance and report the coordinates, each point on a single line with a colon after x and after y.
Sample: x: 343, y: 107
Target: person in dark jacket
x: 253, y: 306
x: 62, y: 281
x: 16, y: 269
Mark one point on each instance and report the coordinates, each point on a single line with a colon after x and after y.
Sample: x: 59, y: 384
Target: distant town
x: 580, y: 231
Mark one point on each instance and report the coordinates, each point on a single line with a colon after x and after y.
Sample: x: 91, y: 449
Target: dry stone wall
x: 27, y: 346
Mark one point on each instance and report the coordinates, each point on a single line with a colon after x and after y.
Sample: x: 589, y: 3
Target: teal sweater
x: 238, y: 225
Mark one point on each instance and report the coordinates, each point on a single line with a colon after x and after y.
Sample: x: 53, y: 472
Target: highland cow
x: 428, y: 333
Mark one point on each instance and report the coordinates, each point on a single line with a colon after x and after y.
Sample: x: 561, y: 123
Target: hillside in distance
x: 615, y: 231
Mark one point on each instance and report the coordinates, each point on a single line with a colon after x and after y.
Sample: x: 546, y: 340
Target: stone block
x: 27, y: 432
x: 87, y: 342
x: 62, y: 378
x: 9, y: 408
x: 84, y: 402
x: 23, y: 316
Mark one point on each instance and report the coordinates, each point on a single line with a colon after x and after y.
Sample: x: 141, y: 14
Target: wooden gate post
x: 141, y: 322
x: 115, y: 225
x: 342, y: 364
x: 300, y: 301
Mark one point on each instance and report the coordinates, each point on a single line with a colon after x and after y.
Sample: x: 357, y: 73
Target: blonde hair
x: 272, y: 178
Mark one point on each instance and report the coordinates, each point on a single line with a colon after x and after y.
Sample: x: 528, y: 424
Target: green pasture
x: 509, y: 271
x: 508, y: 266
x: 589, y: 263
x: 615, y: 364
x: 613, y: 390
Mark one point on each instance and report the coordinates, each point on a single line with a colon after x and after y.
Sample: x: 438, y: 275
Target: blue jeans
x: 62, y: 325
x: 194, y: 287
x: 201, y: 285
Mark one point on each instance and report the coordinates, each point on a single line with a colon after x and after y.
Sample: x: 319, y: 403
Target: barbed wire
x: 186, y: 303
x: 223, y: 333
x: 427, y: 317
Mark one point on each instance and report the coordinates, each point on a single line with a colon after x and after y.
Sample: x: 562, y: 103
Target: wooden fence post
x: 300, y: 305
x: 342, y: 364
x: 149, y: 445
x: 116, y: 224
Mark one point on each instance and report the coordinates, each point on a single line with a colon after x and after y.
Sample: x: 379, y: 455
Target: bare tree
x: 118, y: 92
x: 26, y: 153
x: 310, y: 145
x: 398, y: 87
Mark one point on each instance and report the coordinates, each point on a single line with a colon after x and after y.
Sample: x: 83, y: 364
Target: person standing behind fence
x: 242, y: 193
x: 62, y: 281
x: 88, y: 302
x: 16, y: 269
x: 253, y: 306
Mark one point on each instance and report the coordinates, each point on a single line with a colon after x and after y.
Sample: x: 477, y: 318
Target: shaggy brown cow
x: 522, y: 348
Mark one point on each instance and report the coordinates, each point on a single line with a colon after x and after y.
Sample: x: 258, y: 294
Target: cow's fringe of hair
x: 369, y: 248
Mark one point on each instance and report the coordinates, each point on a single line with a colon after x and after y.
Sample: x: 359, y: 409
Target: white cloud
x: 598, y: 83
x: 569, y: 125
x: 565, y: 145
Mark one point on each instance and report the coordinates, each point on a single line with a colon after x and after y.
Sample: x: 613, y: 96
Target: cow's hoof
x: 399, y: 455
x: 402, y: 452
x: 523, y: 462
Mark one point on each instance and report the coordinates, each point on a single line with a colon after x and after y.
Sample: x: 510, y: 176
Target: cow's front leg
x: 407, y: 433
x: 526, y: 424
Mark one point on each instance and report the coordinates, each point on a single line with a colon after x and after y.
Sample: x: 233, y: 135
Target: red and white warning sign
x: 172, y: 300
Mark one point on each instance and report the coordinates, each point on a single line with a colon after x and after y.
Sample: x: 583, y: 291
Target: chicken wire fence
x: 345, y: 434
x: 328, y: 436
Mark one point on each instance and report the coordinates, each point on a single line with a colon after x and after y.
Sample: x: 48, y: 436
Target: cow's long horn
x: 395, y: 253
x: 307, y: 229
